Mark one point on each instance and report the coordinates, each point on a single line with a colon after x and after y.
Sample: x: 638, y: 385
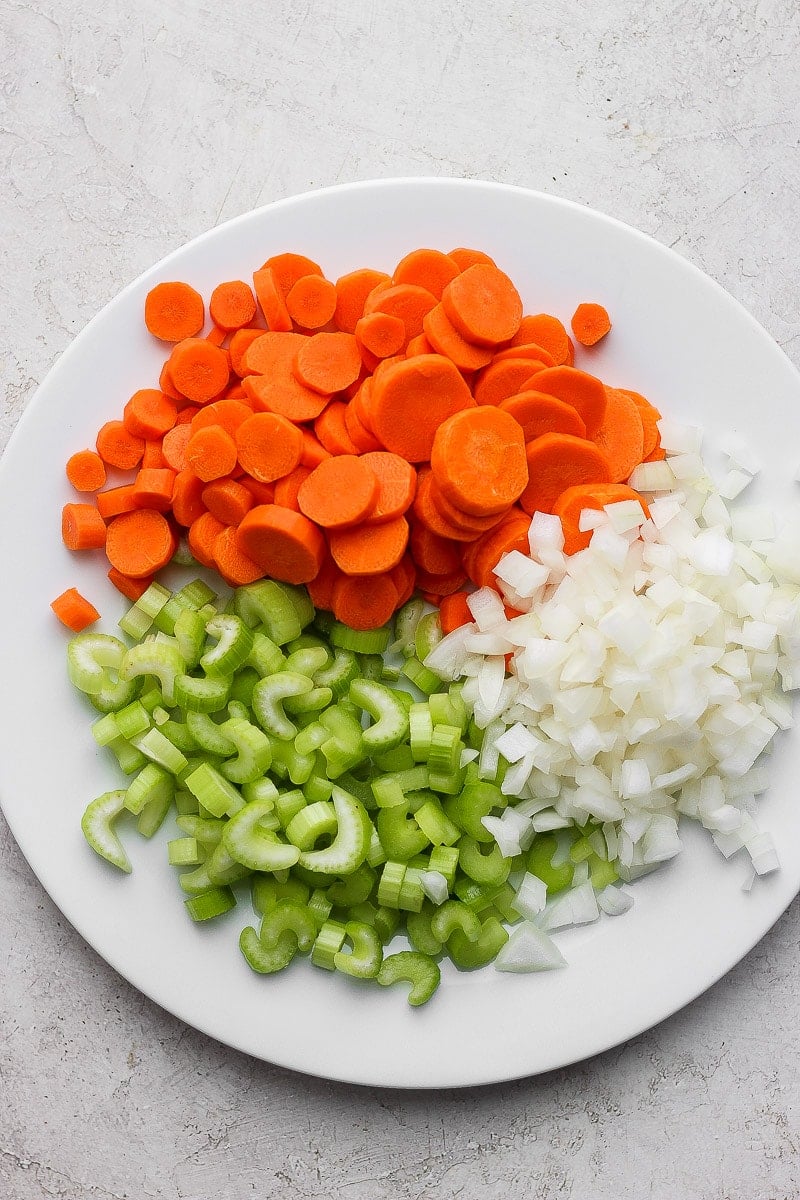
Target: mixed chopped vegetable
x: 493, y: 629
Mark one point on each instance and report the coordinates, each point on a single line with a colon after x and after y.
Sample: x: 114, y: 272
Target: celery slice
x: 97, y: 826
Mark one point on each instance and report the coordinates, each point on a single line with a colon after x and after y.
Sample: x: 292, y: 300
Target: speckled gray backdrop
x: 127, y: 128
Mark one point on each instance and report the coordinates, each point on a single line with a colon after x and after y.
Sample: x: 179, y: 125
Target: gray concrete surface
x: 126, y: 129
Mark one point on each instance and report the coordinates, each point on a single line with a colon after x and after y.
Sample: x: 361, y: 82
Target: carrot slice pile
x: 386, y: 432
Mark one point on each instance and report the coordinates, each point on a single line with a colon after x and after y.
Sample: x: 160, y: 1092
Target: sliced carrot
x: 590, y: 323
x: 434, y: 554
x: 446, y: 340
x: 428, y: 512
x: 397, y: 484
x: 140, y: 543
x: 216, y: 335
x: 454, y: 611
x: 574, y: 500
x: 287, y: 268
x: 285, y: 544
x: 538, y: 413
x: 381, y: 334
x: 234, y: 392
x: 331, y: 430
x: 657, y: 455
x: 199, y: 370
x: 227, y: 413
x: 404, y: 300
x: 86, y: 471
x: 166, y: 385
x: 240, y: 343
x: 557, y: 461
x: 74, y: 610
x: 411, y: 398
x: 570, y: 359
x: 351, y: 293
x: 328, y: 362
x: 119, y: 448
x: 187, y: 498
x: 203, y: 532
x: 313, y: 452
x: 173, y: 311
x: 311, y: 302
x: 650, y: 416
x: 468, y: 522
x: 262, y: 493
x: 153, y: 487
x: 153, y: 457
x: 369, y: 549
x: 271, y: 300
x: 187, y: 414
x: 366, y: 602
x: 483, y: 304
x: 419, y: 345
x: 82, y: 527
x: 584, y: 392
x: 404, y: 578
x: 284, y: 396
x: 464, y: 257
x: 114, y: 501
x: 547, y: 332
x: 362, y: 439
x: 232, y: 305
x: 211, y: 452
x: 286, y: 489
x: 234, y: 566
x: 227, y: 500
x: 268, y: 446
x: 429, y: 269
x: 339, y: 492
x: 530, y: 351
x: 441, y: 585
x: 621, y: 434
x: 132, y: 589
x: 320, y: 589
x: 478, y: 460
x: 360, y: 404
x: 502, y: 379
x: 482, y: 556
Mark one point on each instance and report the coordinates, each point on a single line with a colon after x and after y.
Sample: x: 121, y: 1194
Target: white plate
x: 679, y: 339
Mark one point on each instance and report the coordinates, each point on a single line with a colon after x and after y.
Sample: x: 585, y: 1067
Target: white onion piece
x: 740, y: 453
x: 529, y: 949
x: 578, y: 906
x: 614, y: 900
x: 434, y: 885
x: 531, y: 896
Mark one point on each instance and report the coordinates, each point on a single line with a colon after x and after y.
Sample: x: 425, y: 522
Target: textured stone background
x: 126, y: 129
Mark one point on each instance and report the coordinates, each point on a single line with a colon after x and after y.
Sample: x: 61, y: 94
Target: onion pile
x: 644, y: 679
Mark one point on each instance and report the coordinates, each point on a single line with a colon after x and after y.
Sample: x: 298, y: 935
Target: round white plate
x: 680, y: 340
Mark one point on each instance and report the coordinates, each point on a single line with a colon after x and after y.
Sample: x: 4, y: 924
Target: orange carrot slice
x: 483, y: 304
x: 557, y: 461
x: 410, y: 399
x: 285, y: 544
x: 369, y: 549
x: 478, y: 460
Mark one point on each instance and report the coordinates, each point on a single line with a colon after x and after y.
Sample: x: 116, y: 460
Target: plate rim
x: 485, y: 1077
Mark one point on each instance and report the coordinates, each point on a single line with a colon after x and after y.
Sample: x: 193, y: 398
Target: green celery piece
x: 540, y: 863
x: 233, y: 646
x: 420, y: 933
x: 409, y: 966
x: 468, y: 953
x: 436, y: 826
x: 310, y: 823
x: 254, y: 847
x: 268, y: 696
x: 266, y: 891
x: 475, y: 801
x: 349, y: 847
x: 400, y: 835
x: 367, y: 641
x: 202, y: 695
x: 184, y: 852
x: 489, y: 868
x: 288, y: 916
x: 406, y: 621
x: 213, y: 790
x: 253, y: 752
x: 262, y: 960
x: 353, y: 889
x: 329, y: 942
x: 140, y: 616
x: 163, y: 660
x: 452, y: 916
x: 340, y: 673
x: 152, y: 783
x: 97, y: 824
x: 390, y: 726
x: 427, y: 635
x: 363, y: 961
x: 213, y: 902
